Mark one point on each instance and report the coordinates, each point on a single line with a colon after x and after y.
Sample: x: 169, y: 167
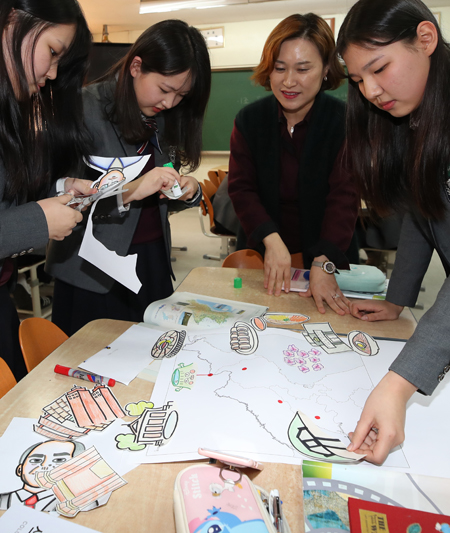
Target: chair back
x: 213, y: 176
x: 7, y: 379
x: 207, y: 209
x: 209, y: 189
x: 222, y: 174
x: 38, y: 338
x: 244, y: 259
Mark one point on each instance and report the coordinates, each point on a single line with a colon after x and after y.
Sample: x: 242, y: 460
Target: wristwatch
x: 326, y: 266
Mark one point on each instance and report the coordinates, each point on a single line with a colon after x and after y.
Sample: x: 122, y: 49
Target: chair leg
x: 212, y: 257
x: 35, y: 294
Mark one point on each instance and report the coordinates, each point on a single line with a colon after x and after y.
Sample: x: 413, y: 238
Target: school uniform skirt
x: 74, y: 307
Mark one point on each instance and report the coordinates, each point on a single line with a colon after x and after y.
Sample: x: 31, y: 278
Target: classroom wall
x: 243, y: 45
x: 244, y: 40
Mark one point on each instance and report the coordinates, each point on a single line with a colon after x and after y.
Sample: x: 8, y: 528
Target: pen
x: 275, y: 509
x: 93, y: 378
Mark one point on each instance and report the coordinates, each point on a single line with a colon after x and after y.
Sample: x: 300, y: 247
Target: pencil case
x: 210, y: 499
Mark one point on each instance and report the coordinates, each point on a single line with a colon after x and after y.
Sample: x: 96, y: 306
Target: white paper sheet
x: 122, y: 269
x: 244, y: 404
x: 26, y: 520
x: 124, y: 358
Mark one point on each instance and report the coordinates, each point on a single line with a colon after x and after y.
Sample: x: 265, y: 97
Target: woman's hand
x: 373, y: 310
x: 78, y: 187
x: 323, y: 287
x: 156, y: 179
x: 277, y: 264
x: 382, y: 423
x: 192, y: 185
x: 61, y: 219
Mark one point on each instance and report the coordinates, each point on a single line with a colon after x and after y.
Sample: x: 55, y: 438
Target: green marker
x: 175, y: 191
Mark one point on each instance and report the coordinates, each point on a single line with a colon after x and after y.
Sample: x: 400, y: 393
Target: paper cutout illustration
x: 243, y: 338
x: 259, y: 323
x: 362, y: 343
x: 154, y: 427
x: 40, y: 457
x: 285, y: 319
x: 184, y: 376
x: 306, y: 361
x: 136, y: 409
x: 80, y: 481
x: 169, y: 344
x: 322, y: 335
x: 79, y: 411
x: 313, y: 442
x: 116, y: 172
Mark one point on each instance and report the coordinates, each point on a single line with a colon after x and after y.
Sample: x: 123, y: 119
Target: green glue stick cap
x: 168, y: 165
x: 238, y: 283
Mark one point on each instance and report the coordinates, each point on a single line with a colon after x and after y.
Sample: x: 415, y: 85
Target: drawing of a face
x: 111, y: 178
x: 44, y: 458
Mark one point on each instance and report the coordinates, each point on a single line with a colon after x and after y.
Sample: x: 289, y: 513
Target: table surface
x: 151, y: 510
x: 219, y: 282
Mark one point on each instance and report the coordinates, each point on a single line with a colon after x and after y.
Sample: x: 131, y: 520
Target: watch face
x: 329, y: 267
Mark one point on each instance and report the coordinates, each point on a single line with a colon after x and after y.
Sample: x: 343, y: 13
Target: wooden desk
x: 219, y: 282
x: 145, y: 504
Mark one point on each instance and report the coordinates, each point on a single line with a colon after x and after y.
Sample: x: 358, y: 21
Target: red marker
x: 93, y: 378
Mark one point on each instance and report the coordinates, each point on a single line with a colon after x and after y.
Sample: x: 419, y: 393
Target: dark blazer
x: 23, y: 228
x: 425, y: 359
x: 255, y: 176
x: 112, y: 228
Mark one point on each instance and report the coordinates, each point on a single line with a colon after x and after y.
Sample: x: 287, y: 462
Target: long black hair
x: 169, y: 47
x: 398, y: 160
x: 42, y: 135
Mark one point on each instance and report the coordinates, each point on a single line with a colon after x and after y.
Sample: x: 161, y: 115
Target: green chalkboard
x: 231, y: 90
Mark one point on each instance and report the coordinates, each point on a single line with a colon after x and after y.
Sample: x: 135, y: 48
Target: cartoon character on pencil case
x: 218, y: 521
x: 445, y: 528
x: 41, y: 457
x: 217, y: 489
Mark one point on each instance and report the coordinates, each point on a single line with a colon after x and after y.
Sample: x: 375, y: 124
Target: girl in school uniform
x: 399, y: 139
x: 151, y: 102
x: 43, y: 59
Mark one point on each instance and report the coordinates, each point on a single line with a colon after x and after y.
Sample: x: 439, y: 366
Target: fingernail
x: 365, y: 317
x: 350, y: 447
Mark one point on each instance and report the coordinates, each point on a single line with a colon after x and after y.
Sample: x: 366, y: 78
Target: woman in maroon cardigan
x: 287, y: 181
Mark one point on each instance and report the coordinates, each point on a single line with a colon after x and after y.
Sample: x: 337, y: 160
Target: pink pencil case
x: 208, y: 499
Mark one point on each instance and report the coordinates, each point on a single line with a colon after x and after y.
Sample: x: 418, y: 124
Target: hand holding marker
x: 175, y: 191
